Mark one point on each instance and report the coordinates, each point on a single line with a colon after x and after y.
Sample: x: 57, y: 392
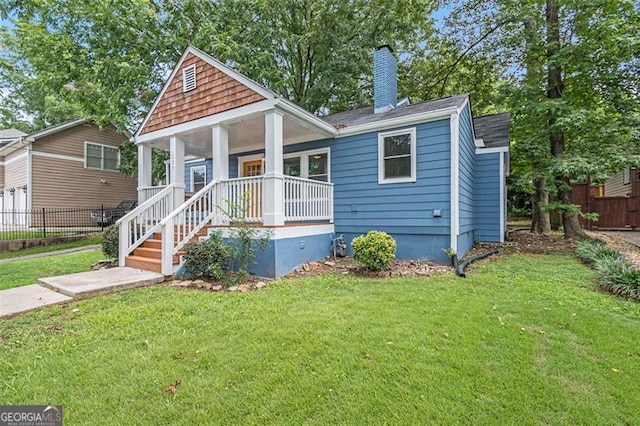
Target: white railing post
x: 167, y: 247
x: 123, y: 243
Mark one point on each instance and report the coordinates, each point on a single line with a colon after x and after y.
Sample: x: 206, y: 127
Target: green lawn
x: 97, y: 239
x: 25, y: 272
x: 524, y: 340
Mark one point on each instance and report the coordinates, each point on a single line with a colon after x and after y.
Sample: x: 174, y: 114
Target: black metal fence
x: 48, y: 222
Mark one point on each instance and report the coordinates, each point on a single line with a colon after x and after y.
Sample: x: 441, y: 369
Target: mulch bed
x: 520, y: 242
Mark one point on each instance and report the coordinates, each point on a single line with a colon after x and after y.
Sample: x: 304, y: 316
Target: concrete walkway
x: 53, y: 290
x: 52, y: 253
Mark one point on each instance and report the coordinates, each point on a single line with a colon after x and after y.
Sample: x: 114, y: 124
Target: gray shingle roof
x: 366, y: 115
x: 493, y: 129
x: 11, y: 134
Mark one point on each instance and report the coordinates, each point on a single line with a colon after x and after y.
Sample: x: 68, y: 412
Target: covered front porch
x: 260, y: 195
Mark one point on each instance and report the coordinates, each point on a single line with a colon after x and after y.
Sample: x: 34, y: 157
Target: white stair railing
x: 181, y: 225
x: 140, y: 223
x: 145, y: 193
x: 307, y: 200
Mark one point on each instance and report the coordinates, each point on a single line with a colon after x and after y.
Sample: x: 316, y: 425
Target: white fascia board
x: 13, y: 146
x: 58, y: 156
x: 56, y: 129
x: 225, y: 117
x: 397, y: 122
x: 284, y: 232
x: 479, y: 143
x: 455, y: 180
x: 492, y: 150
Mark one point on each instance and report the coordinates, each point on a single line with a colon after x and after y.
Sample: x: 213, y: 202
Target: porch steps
x: 149, y: 256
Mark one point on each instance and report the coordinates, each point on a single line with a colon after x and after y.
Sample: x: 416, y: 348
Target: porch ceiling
x: 246, y: 134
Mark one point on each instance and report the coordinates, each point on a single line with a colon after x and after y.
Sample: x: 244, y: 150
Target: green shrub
x: 375, y: 250
x: 593, y: 250
x: 111, y: 242
x: 615, y: 273
x: 207, y: 259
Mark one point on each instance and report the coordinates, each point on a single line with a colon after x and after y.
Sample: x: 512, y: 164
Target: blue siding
x: 467, y: 161
x: 404, y: 210
x: 487, y: 198
x: 285, y: 255
x: 187, y: 171
x: 466, y: 173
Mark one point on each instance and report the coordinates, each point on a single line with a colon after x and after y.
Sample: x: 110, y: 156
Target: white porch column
x: 220, y: 150
x: 144, y: 169
x: 176, y: 169
x: 273, y: 188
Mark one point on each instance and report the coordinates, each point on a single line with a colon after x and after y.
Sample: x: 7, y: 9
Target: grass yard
x: 524, y: 340
x: 25, y: 272
x: 97, y: 239
x: 26, y: 235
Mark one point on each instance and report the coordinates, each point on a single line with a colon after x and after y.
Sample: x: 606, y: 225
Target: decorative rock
x: 244, y: 287
x: 345, y: 273
x: 233, y: 288
x: 329, y: 263
x: 260, y: 284
x: 306, y: 267
x: 207, y: 286
x: 216, y: 287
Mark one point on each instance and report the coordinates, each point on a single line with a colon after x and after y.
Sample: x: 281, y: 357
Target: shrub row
x: 615, y: 273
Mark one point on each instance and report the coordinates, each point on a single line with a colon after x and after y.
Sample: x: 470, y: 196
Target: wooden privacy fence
x: 613, y: 212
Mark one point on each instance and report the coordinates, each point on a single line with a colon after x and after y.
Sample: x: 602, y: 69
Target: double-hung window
x: 101, y: 157
x: 397, y: 156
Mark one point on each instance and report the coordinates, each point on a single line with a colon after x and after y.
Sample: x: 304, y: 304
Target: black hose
x: 461, y: 266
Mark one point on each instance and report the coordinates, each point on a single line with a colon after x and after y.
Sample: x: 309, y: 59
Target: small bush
x: 615, y: 273
x: 375, y: 250
x: 207, y: 259
x: 111, y: 242
x: 593, y: 250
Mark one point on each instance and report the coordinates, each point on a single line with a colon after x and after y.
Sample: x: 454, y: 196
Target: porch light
x: 24, y: 188
x: 1, y: 193
x: 12, y: 191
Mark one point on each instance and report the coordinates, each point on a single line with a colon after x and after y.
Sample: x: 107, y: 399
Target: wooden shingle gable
x: 217, y: 89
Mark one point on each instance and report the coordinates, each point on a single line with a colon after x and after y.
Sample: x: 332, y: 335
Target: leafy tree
x: 576, y: 101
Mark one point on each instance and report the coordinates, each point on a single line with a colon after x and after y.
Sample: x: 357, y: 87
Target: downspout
x: 455, y: 196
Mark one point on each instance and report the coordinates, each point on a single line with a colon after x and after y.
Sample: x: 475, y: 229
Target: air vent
x: 189, y: 78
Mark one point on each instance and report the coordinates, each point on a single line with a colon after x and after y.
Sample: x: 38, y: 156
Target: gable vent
x: 189, y: 78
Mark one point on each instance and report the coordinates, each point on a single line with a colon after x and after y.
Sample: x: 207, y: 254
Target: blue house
x: 429, y: 174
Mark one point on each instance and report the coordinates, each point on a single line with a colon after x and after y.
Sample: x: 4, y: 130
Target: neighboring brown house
x: 74, y: 164
x: 617, y: 202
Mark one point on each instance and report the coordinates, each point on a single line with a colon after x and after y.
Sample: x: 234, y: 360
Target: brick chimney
x: 385, y: 79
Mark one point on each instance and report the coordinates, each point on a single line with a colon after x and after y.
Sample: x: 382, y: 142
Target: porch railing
x: 307, y: 200
x: 242, y: 198
x: 148, y: 192
x: 140, y: 223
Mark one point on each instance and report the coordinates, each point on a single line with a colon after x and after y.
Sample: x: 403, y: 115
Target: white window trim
x: 101, y: 158
x: 184, y: 78
x: 381, y: 136
x: 191, y: 172
x: 304, y: 160
x: 626, y: 176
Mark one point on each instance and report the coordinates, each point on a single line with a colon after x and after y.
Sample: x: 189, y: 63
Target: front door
x: 252, y: 190
x: 253, y: 168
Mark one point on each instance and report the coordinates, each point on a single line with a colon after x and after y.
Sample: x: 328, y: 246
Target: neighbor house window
x: 101, y: 157
x: 308, y: 164
x: 626, y: 177
x: 189, y: 78
x: 397, y: 156
x: 198, y: 178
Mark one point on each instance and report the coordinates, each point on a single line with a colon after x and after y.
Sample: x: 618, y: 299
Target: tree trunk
x: 540, y: 223
x: 555, y: 87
